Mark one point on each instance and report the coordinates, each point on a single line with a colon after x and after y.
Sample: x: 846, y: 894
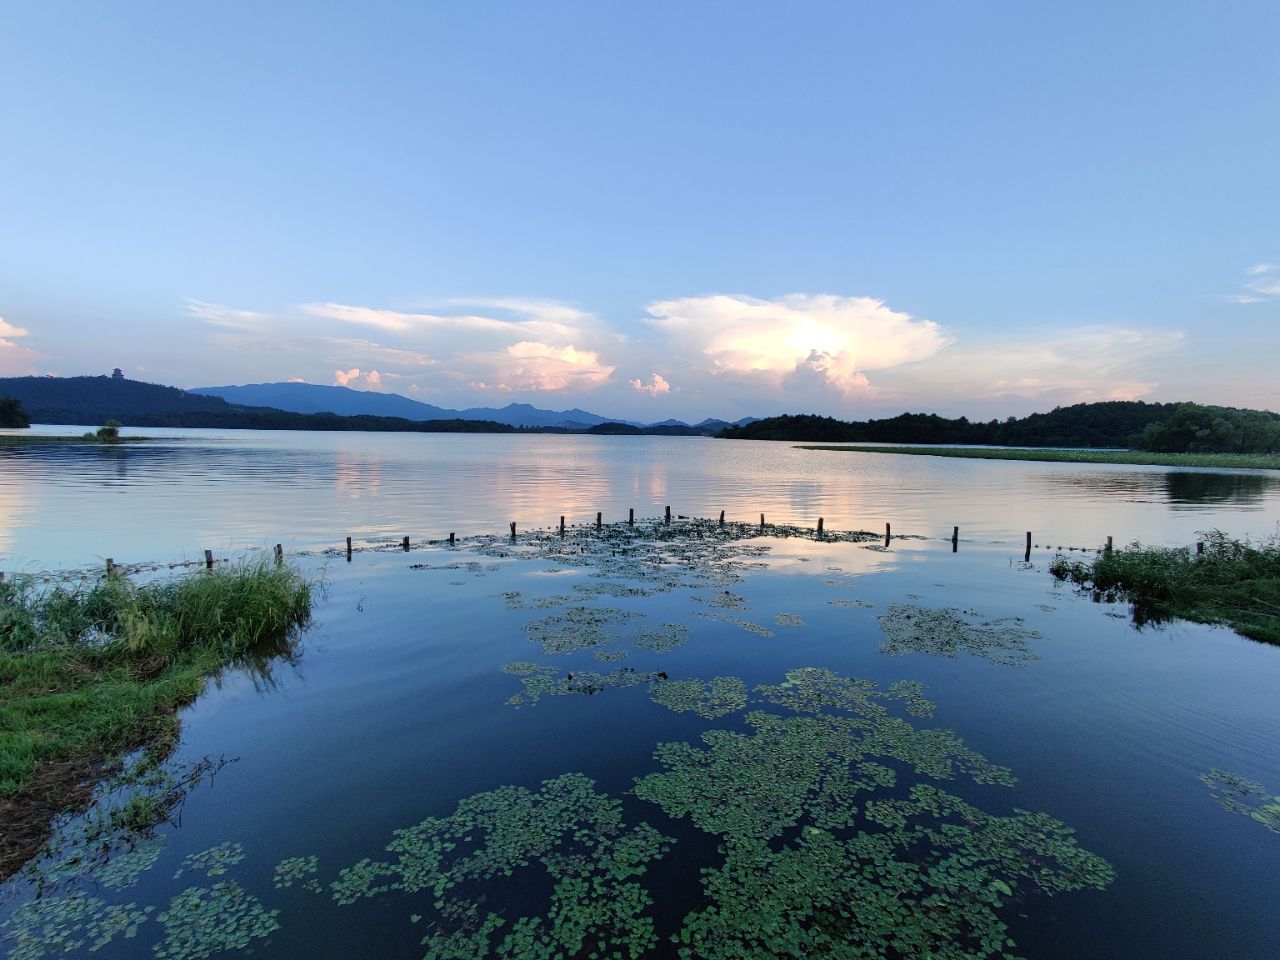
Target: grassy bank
x: 1256, y: 461
x: 90, y: 670
x: 1232, y: 582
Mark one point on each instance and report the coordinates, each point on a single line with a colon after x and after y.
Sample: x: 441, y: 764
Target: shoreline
x: 1247, y: 461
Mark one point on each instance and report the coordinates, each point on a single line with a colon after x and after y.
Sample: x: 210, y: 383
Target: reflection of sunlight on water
x: 16, y: 507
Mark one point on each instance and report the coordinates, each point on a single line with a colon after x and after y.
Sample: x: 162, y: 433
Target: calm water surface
x: 397, y: 708
x: 71, y: 505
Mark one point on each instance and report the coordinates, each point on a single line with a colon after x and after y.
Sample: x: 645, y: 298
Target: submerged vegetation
x: 1231, y: 582
x: 92, y: 669
x: 1256, y: 461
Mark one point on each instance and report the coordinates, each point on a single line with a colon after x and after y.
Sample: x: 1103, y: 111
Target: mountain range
x: 317, y: 398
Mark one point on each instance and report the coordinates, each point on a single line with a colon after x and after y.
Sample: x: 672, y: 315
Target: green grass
x: 91, y: 669
x: 1232, y: 582
x: 1257, y: 461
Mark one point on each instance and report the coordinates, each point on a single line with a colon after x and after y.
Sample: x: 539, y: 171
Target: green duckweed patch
x: 711, y: 699
x: 661, y: 639
x: 1237, y: 794
x: 950, y: 632
x: 578, y: 628
x: 203, y: 921
x: 543, y: 681
x: 1231, y: 582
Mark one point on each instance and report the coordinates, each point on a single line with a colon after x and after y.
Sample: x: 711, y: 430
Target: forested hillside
x: 1162, y: 427
x: 95, y: 400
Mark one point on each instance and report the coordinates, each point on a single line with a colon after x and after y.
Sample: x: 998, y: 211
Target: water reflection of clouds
x: 1182, y: 490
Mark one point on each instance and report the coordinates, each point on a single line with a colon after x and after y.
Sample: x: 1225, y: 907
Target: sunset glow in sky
x: 649, y: 210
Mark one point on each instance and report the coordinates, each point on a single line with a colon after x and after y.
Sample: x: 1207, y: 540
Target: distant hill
x: 94, y: 400
x: 317, y: 398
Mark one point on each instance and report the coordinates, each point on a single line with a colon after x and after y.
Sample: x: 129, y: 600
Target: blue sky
x: 649, y: 210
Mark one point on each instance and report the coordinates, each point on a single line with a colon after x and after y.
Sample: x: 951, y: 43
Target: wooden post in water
x: 1199, y: 547
x: 631, y: 517
x: 208, y: 559
x: 279, y: 553
x: 405, y: 544
x: 562, y: 525
x: 1108, y: 544
x: 668, y: 520
x: 451, y: 538
x: 820, y: 528
x: 348, y: 548
x: 513, y: 529
x: 955, y: 538
x: 111, y: 566
x: 1026, y: 557
x: 762, y: 523
x: 599, y: 519
x: 722, y: 518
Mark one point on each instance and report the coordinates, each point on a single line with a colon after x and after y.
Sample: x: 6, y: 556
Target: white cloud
x: 7, y: 329
x: 529, y: 365
x: 833, y: 339
x: 1263, y: 285
x: 1085, y: 365
x: 658, y: 387
x: 357, y: 379
x: 229, y: 317
x: 15, y: 360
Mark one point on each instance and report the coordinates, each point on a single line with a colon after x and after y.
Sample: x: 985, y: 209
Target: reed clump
x: 90, y: 669
x: 1227, y: 581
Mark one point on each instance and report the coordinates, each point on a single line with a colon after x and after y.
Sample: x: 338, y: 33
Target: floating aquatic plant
x: 566, y: 831
x: 789, y: 620
x: 578, y: 628
x: 880, y: 877
x: 715, y: 698
x: 59, y: 925
x: 949, y: 632
x: 299, y: 871
x: 212, y: 862
x: 202, y: 921
x: 723, y: 599
x: 738, y: 622
x: 661, y: 639
x: 545, y: 681
x: 1241, y: 795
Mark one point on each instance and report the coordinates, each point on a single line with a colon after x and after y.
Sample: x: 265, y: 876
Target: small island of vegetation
x: 1232, y: 582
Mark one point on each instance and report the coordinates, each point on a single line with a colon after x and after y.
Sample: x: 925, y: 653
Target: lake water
x: 71, y: 505
x: 397, y: 707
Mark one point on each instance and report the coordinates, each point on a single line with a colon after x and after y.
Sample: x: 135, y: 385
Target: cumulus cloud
x: 357, y: 379
x: 529, y: 365
x: 836, y: 340
x: 658, y: 387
